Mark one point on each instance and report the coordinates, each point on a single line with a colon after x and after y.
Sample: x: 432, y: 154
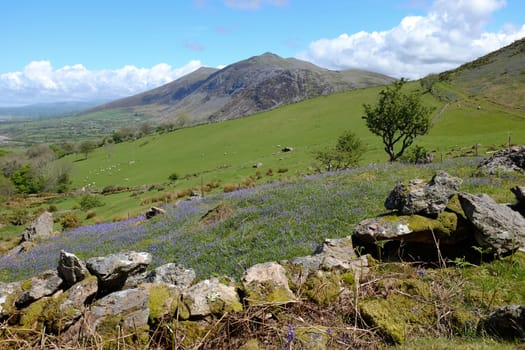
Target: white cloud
x: 451, y: 33
x: 40, y: 82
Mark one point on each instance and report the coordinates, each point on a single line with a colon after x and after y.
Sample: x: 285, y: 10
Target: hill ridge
x: 256, y: 84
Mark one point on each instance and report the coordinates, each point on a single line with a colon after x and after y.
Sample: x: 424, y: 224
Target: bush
x: 91, y: 214
x: 52, y: 208
x: 230, y: 188
x: 90, y: 202
x: 173, y: 177
x: 347, y: 153
x: 282, y: 170
x: 69, y: 221
x: 417, y: 155
x: 19, y: 216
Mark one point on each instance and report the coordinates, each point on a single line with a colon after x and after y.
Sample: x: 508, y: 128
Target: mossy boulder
x: 396, y: 316
x: 323, y: 287
x: 267, y: 283
x: 211, y: 297
x: 448, y: 227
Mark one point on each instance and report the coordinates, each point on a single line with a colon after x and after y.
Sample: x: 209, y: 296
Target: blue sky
x: 58, y: 50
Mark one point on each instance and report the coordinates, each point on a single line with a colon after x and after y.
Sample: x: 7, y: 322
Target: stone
x: 447, y: 228
x: 42, y: 285
x: 175, y: 275
x: 8, y: 292
x: 154, y: 211
x: 507, y: 322
x: 422, y: 198
x: 71, y: 269
x: 71, y: 305
x: 127, y: 309
x: 113, y: 270
x: 267, y: 283
x: 287, y: 149
x: 41, y: 228
x: 507, y: 160
x: 519, y: 192
x: 257, y: 165
x: 496, y: 225
x: 211, y: 297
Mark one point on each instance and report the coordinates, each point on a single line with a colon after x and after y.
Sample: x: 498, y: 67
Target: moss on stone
x: 267, y: 293
x: 348, y: 278
x: 32, y: 316
x: 159, y: 302
x: 323, y: 288
x: 313, y: 338
x: 463, y: 322
x: 396, y: 316
x: 26, y: 285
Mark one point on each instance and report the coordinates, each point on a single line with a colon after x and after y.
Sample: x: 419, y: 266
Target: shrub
x: 91, y: 214
x: 269, y: 172
x: 19, y: 216
x: 173, y: 177
x: 90, y: 202
x: 69, y: 221
x: 417, y: 155
x: 52, y: 208
x: 282, y: 170
x: 230, y: 188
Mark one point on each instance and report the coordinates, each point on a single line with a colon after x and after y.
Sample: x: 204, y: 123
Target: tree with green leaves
x: 347, y: 153
x: 398, y: 118
x: 86, y: 147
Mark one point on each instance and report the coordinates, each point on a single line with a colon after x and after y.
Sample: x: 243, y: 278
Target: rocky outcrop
x: 508, y: 160
x: 496, y: 225
x: 507, y: 322
x: 41, y: 228
x: 172, y: 274
x: 71, y: 269
x: 44, y: 284
x: 418, y: 197
x: 113, y: 270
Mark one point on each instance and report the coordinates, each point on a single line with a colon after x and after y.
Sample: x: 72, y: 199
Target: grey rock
x: 211, y: 297
x: 71, y: 269
x: 507, y: 322
x: 418, y: 197
x: 42, y: 285
x: 73, y: 305
x: 130, y: 306
x: 172, y: 274
x: 508, y: 160
x: 154, y: 211
x: 113, y: 270
x: 267, y: 283
x: 448, y: 228
x: 497, y: 226
x: 41, y: 228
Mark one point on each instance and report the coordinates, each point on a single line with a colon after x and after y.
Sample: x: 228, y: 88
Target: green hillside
x: 227, y: 151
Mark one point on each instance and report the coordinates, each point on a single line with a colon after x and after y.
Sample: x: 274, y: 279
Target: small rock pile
x: 421, y: 221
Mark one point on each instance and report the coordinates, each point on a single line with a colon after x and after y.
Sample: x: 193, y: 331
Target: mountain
x: 47, y: 110
x: 257, y: 84
x: 498, y: 77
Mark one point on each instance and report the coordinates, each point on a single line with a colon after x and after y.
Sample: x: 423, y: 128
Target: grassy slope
x: 226, y: 151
